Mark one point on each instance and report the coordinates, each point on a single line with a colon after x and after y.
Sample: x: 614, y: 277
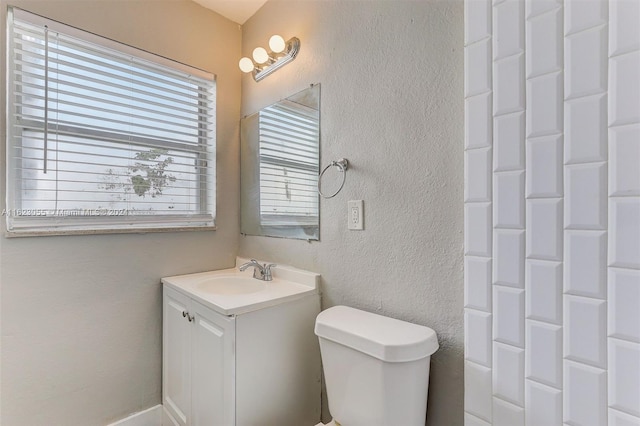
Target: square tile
x: 508, y: 202
x: 585, y: 127
x: 508, y: 311
x: 477, y: 69
x: 617, y: 418
x: 624, y: 300
x: 544, y: 229
x: 544, y: 43
x: 544, y: 353
x: 477, y: 20
x: 477, y: 392
x: 585, y: 330
x: 624, y: 87
x: 586, y: 263
x: 544, y: 105
x: 477, y: 283
x: 536, y: 7
x: 507, y: 414
x: 580, y: 15
x: 624, y: 31
x: 508, y: 373
x: 477, y: 337
x: 508, y: 151
x: 478, y: 121
x: 508, y: 263
x: 585, y: 196
x: 586, y: 67
x: 544, y: 290
x: 543, y: 406
x: 508, y: 28
x: 624, y: 376
x: 478, y: 229
x: 544, y: 167
x: 585, y: 395
x: 477, y: 175
x: 624, y: 240
x: 508, y: 80
x: 624, y: 146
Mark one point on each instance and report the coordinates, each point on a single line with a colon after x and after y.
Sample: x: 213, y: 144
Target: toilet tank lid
x: 385, y: 338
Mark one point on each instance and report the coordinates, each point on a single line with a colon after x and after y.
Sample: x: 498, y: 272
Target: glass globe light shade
x: 246, y: 65
x: 260, y: 55
x: 277, y: 44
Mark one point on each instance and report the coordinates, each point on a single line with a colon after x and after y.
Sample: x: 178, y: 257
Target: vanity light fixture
x: 264, y: 63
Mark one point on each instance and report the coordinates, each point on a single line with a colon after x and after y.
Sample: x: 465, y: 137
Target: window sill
x: 139, y: 230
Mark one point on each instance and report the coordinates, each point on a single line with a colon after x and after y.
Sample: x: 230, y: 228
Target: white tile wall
x: 624, y: 300
x: 477, y: 287
x: 544, y: 106
x: 544, y: 405
x: 552, y: 205
x: 585, y: 263
x: 585, y: 128
x: 478, y: 131
x: 624, y: 102
x: 509, y: 96
x: 617, y: 418
x: 507, y: 414
x: 624, y: 388
x: 624, y: 147
x: 508, y: 206
x: 544, y: 291
x: 508, y: 267
x: 544, y: 366
x: 544, y: 167
x: 585, y: 395
x: 508, y: 152
x: 585, y: 195
x: 585, y: 336
x: 508, y: 373
x: 544, y: 229
x: 477, y: 341
x: 586, y: 74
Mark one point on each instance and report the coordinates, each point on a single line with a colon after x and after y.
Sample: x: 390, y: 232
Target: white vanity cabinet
x: 259, y: 366
x: 198, y: 362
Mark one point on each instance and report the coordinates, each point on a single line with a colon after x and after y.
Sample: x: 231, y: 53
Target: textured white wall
x: 81, y: 315
x: 391, y: 82
x: 552, y: 212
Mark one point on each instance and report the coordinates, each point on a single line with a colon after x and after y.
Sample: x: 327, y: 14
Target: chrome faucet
x: 260, y: 272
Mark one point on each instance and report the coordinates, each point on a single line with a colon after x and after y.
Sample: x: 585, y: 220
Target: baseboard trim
x: 149, y: 417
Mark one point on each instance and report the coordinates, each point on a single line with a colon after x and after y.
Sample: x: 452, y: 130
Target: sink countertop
x: 288, y: 284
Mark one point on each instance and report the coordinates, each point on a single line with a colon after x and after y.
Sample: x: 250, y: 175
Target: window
x: 289, y: 155
x: 104, y: 137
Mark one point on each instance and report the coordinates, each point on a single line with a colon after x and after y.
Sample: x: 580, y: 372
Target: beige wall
x: 391, y: 75
x: 81, y: 315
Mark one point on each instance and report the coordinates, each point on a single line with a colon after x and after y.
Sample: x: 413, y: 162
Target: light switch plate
x: 355, y: 215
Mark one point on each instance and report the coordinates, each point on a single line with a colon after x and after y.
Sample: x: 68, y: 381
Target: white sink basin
x: 230, y: 284
x: 231, y: 292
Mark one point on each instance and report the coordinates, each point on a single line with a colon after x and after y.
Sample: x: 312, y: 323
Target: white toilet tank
x: 376, y: 368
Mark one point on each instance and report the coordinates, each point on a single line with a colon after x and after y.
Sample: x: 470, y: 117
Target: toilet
x: 376, y: 368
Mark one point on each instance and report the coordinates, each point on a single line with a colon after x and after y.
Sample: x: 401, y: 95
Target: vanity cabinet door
x: 176, y: 354
x: 213, y: 368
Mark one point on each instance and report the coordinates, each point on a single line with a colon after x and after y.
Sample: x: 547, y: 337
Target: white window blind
x: 289, y: 156
x: 102, y: 136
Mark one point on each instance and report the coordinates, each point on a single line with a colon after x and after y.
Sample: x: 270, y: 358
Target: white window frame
x: 21, y: 222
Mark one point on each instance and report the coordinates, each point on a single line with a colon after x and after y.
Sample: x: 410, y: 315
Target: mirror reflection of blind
x: 289, y: 158
x: 94, y: 129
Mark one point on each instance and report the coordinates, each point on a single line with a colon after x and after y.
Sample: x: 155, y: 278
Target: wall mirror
x: 279, y: 163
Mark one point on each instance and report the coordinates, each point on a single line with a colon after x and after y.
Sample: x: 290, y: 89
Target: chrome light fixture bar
x: 264, y: 63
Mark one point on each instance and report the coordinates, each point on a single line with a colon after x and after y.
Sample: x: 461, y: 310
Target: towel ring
x: 342, y: 164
